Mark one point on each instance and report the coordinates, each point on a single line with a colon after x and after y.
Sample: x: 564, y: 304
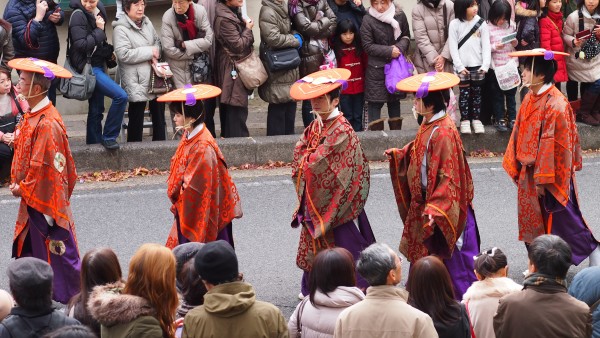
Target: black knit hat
x: 217, y: 263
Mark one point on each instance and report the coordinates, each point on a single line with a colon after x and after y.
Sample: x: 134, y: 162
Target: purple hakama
x: 63, y: 259
x: 568, y: 223
x: 226, y: 234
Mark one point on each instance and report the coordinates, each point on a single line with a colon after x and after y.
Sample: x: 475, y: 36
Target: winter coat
x: 134, y: 47
x: 6, y: 44
x: 231, y: 310
x: 276, y: 33
x: 579, y: 70
x: 348, y: 11
x: 121, y: 315
x: 460, y: 328
x: 40, y: 39
x: 551, y: 39
x: 431, y: 35
x: 528, y: 29
x: 541, y: 311
x: 24, y: 323
x: 377, y: 40
x: 181, y: 60
x: 481, y: 299
x: 233, y: 42
x: 586, y: 287
x: 311, y: 28
x: 318, y: 321
x: 87, y: 38
x: 356, y: 64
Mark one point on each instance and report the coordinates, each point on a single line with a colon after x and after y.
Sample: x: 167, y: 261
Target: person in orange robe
x: 43, y: 175
x: 541, y: 158
x: 205, y: 199
x: 433, y: 184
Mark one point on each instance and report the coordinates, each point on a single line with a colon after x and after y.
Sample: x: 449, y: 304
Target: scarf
x: 387, y: 17
x: 294, y: 7
x: 538, y: 279
x: 185, y: 22
x: 557, y: 18
x: 588, y: 15
x: 139, y: 23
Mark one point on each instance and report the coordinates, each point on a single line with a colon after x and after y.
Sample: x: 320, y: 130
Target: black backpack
x: 19, y: 327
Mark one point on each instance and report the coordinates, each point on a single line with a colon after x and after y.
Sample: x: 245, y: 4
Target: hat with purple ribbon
x: 319, y: 83
x: 33, y: 65
x: 547, y: 54
x: 190, y: 94
x: 424, y: 83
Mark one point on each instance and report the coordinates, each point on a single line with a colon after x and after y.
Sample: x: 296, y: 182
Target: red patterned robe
x: 44, y: 169
x: 204, y: 197
x: 543, y: 151
x: 331, y: 175
x: 449, y: 189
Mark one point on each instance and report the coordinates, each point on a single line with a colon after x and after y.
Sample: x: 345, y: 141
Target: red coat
x: 551, y: 39
x: 356, y: 64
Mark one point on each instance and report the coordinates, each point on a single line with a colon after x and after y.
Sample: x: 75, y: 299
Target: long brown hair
x: 431, y: 291
x: 331, y: 268
x: 152, y: 277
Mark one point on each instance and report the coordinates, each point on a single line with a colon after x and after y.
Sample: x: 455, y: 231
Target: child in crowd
x: 481, y: 299
x: 349, y: 53
x: 469, y: 43
x: 528, y: 31
x: 500, y: 26
x: 551, y: 26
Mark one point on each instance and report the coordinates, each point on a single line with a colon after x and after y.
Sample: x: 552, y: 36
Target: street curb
x: 262, y: 149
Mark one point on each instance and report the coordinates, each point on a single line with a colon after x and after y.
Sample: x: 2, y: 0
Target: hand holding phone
x: 584, y: 34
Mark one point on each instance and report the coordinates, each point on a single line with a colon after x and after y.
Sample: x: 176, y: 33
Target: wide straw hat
x: 190, y: 94
x: 33, y: 65
x: 547, y: 54
x: 422, y: 84
x: 319, y: 83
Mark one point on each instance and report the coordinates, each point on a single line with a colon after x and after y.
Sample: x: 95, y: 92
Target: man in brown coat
x: 544, y: 309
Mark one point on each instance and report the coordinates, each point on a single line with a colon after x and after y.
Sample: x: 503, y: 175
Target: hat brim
x: 36, y: 66
x: 437, y: 81
x: 305, y: 90
x: 200, y: 92
x: 534, y: 52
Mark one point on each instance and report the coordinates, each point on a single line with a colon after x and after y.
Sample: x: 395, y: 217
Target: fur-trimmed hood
x: 109, y: 306
x: 491, y: 287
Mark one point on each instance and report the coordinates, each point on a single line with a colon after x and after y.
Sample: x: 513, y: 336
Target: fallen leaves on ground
x: 484, y: 153
x: 268, y: 165
x: 116, y: 176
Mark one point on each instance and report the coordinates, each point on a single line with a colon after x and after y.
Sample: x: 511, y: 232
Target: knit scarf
x: 557, y: 19
x: 186, y: 24
x: 294, y: 8
x: 387, y: 17
x: 538, y: 279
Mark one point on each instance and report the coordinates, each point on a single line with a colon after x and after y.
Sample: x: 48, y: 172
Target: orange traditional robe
x: 543, y: 151
x: 203, y: 194
x: 44, y: 169
x: 449, y: 189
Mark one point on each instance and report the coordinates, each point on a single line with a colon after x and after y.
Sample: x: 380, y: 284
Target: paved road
x: 125, y: 215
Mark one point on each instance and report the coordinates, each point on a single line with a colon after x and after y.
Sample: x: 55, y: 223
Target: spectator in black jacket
x: 87, y: 37
x: 34, y: 31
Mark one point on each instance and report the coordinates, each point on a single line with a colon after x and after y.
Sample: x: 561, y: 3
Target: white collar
x: 195, y: 131
x: 437, y: 116
x: 333, y: 114
x: 41, y: 104
x: 544, y: 88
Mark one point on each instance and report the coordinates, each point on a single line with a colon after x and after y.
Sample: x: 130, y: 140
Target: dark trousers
x: 209, y: 115
x: 233, y: 121
x: 135, y: 127
x: 374, y: 109
x: 498, y: 97
x: 281, y: 118
x: 307, y: 116
x: 352, y: 106
x: 575, y: 88
x: 6, y: 155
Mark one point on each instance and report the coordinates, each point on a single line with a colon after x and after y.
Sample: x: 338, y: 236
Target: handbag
x: 299, y: 317
x: 81, y: 86
x: 160, y: 78
x: 329, y: 60
x: 591, y: 46
x: 398, y: 69
x: 251, y: 71
x: 281, y: 59
x: 200, y: 68
x: 508, y: 76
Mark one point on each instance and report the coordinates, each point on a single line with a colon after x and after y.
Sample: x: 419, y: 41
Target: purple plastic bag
x: 395, y: 71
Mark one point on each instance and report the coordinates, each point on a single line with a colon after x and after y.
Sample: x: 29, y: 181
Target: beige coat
x: 481, y: 300
x: 179, y: 60
x: 430, y: 35
x: 386, y: 306
x: 579, y: 70
x: 134, y: 47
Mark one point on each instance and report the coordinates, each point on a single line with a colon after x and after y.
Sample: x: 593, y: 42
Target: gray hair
x: 551, y: 255
x: 375, y: 263
x: 40, y: 80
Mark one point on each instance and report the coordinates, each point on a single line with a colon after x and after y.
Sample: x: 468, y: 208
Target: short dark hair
x: 71, y: 331
x: 192, y: 287
x: 32, y: 299
x: 427, y: 274
x: 489, y: 261
x: 334, y: 94
x: 196, y: 111
x: 127, y: 4
x: 500, y: 9
x: 438, y: 99
x: 550, y: 255
x: 331, y: 268
x: 542, y: 67
x: 375, y: 263
x: 533, y: 5
x: 460, y: 8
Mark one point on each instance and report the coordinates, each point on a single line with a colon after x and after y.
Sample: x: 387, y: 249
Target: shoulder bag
x: 508, y: 76
x: 470, y: 33
x: 591, y: 46
x: 81, y: 86
x: 160, y: 78
x: 200, y: 68
x: 299, y: 317
x: 250, y: 70
x: 281, y: 59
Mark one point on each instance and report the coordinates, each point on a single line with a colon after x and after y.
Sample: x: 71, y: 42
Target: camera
x: 52, y: 4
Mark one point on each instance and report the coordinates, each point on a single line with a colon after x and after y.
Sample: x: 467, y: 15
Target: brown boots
x: 588, y: 113
x: 395, y: 123
x: 376, y: 125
